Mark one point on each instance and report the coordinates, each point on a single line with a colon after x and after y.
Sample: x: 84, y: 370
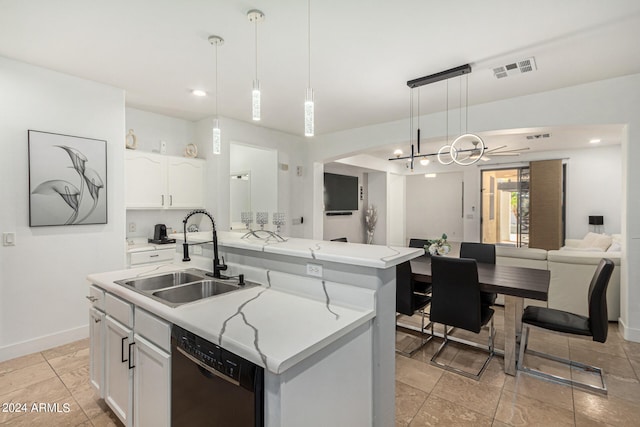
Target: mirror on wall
x: 253, y: 184
x: 240, y: 197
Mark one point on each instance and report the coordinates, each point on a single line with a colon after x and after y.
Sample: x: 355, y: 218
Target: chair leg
x: 423, y: 341
x: 556, y: 378
x: 460, y: 371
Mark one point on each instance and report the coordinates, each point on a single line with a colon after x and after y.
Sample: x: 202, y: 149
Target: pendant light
x: 255, y: 16
x: 217, y: 138
x: 308, y: 100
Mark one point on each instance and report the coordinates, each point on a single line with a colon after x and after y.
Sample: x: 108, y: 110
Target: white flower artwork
x: 67, y: 180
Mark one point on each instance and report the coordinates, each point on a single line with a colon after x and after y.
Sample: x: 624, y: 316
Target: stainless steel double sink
x: 182, y: 287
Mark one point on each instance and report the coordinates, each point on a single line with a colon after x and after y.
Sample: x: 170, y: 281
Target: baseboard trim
x: 43, y: 343
x: 629, y: 334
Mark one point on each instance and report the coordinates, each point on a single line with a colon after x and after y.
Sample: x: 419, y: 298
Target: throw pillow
x: 595, y: 240
x: 615, y: 247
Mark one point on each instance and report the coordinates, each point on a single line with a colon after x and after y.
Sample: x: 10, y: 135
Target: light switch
x: 9, y: 239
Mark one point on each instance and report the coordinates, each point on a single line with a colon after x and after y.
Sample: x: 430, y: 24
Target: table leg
x: 513, y: 307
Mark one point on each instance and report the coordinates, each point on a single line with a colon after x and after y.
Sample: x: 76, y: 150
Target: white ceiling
x: 362, y: 52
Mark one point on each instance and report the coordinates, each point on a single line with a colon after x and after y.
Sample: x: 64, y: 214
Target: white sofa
x: 571, y: 272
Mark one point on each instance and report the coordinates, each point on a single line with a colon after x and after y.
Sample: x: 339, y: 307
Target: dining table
x: 515, y: 283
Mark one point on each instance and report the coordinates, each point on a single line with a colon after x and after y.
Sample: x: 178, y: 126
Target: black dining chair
x: 418, y: 243
x: 409, y: 301
x: 340, y: 239
x: 595, y: 326
x: 485, y: 253
x: 455, y: 301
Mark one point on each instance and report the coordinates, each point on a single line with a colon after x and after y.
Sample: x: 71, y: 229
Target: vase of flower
x: 370, y: 220
x: 438, y: 246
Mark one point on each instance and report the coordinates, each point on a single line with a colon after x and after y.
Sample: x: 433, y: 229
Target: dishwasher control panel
x: 212, y: 355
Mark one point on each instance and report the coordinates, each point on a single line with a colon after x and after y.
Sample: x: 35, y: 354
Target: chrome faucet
x: 217, y: 266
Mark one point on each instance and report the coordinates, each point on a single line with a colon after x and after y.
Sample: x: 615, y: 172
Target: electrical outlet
x: 132, y: 227
x: 163, y: 147
x: 314, y: 270
x: 197, y: 250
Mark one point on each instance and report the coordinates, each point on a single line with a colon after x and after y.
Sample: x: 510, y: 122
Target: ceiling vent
x: 539, y: 136
x: 518, y: 67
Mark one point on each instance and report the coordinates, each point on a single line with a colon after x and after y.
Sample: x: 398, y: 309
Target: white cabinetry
x: 119, y: 373
x: 154, y: 181
x: 130, y: 367
x: 96, y: 339
x: 185, y: 179
x: 151, y: 384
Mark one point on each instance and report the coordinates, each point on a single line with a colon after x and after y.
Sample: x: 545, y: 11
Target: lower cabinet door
x: 151, y: 384
x: 96, y: 349
x: 119, y: 370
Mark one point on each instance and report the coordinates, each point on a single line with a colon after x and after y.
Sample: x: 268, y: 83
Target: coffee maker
x: 160, y: 235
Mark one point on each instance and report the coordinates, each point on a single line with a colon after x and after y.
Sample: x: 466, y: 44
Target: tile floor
x: 425, y: 394
x: 59, y: 375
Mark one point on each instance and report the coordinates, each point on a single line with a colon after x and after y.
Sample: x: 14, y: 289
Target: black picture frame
x: 67, y: 180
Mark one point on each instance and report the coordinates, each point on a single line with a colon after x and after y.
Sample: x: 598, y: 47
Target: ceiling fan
x: 498, y: 151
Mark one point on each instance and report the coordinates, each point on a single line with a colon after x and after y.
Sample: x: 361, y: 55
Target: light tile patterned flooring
x: 59, y: 375
x: 425, y: 394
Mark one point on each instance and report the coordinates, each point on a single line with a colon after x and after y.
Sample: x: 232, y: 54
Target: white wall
x: 377, y: 197
x: 42, y: 277
x: 293, y: 199
x: 434, y: 206
x: 607, y: 101
x: 150, y: 129
x: 396, y: 224
x: 594, y: 187
x: 350, y: 226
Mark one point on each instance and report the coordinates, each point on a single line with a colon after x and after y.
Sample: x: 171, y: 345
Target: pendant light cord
x: 309, y: 42
x: 447, y: 112
x: 256, y: 32
x: 466, y: 117
x: 216, y: 80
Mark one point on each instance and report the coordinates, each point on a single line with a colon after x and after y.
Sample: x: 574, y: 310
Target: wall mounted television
x: 340, y: 192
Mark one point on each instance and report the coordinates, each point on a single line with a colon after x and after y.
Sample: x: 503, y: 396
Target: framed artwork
x: 67, y: 180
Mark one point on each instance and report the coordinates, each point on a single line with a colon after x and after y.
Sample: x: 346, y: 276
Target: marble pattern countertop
x: 269, y: 327
x: 375, y: 256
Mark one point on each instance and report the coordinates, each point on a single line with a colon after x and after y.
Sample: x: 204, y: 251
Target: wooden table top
x: 516, y: 281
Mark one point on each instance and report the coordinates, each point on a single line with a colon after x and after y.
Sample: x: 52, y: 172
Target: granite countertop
x: 266, y: 325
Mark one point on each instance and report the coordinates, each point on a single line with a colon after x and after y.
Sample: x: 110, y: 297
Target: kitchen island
x: 321, y: 322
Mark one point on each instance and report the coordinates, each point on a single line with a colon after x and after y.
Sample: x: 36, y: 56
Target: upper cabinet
x: 154, y: 181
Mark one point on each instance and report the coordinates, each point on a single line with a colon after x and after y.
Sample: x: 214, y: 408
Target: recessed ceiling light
x: 198, y: 92
x: 595, y: 141
x: 430, y: 175
x: 424, y: 162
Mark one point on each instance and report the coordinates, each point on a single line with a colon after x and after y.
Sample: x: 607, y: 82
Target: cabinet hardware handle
x: 162, y: 199
x: 130, y: 358
x: 154, y: 256
x: 91, y: 298
x: 207, y: 367
x: 122, y: 350
x: 97, y: 320
x: 171, y: 200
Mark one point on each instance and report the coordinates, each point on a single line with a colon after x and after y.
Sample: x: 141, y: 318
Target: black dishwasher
x: 211, y: 386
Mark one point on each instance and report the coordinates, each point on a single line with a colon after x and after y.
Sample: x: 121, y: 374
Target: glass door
x: 505, y: 206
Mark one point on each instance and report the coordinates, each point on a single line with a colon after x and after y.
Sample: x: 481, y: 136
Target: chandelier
x: 465, y: 150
